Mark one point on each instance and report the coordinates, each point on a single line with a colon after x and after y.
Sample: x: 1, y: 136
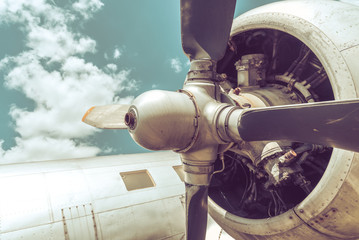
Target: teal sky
x: 139, y: 37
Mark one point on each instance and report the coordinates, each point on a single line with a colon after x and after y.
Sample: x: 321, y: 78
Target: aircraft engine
x: 257, y: 119
x: 287, y: 53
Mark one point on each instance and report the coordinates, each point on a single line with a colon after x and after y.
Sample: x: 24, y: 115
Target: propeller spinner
x: 194, y: 122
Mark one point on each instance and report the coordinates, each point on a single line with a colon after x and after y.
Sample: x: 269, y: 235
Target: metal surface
x: 250, y: 99
x: 333, y: 123
x: 209, y: 124
x: 196, y: 207
x: 198, y: 160
x: 321, y: 26
x: 251, y: 69
x: 157, y: 114
x: 108, y: 116
x: 205, y: 27
x: 79, y: 222
x: 330, y: 211
x: 284, y: 226
x: 184, y: 121
x: 87, y: 199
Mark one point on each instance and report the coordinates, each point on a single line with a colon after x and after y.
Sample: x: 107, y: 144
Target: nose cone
x: 162, y: 120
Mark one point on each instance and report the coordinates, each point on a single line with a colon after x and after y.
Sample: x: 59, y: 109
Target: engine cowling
x: 327, y: 31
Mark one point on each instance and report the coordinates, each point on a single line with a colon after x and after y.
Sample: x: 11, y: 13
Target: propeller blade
x: 107, y: 117
x: 196, y: 211
x: 332, y: 123
x: 206, y: 26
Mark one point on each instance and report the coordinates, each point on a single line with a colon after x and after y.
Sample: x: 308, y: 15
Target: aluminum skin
x: 330, y: 29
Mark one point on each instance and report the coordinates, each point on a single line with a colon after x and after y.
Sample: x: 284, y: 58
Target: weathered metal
x: 88, y: 199
x: 330, y: 29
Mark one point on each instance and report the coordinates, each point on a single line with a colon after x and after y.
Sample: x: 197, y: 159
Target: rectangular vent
x: 137, y: 179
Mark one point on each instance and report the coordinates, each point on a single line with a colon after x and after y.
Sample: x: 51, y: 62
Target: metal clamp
x: 226, y: 120
x: 196, y: 121
x: 203, y: 69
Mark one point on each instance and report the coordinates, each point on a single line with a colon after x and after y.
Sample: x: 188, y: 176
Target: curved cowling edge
x: 330, y: 29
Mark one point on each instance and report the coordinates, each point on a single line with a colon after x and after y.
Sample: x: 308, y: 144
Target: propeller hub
x: 130, y: 120
x: 162, y: 120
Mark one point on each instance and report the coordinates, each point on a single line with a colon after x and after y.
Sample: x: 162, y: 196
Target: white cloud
x: 124, y: 100
x: 108, y: 150
x: 39, y: 148
x: 176, y: 65
x: 61, y: 96
x: 87, y: 7
x: 117, y: 54
x: 112, y: 67
x: 53, y: 73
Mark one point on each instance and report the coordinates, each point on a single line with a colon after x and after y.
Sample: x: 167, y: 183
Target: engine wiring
x: 245, y: 192
x: 264, y: 183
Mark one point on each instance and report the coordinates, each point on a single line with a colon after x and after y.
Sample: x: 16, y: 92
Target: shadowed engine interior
x: 264, y: 179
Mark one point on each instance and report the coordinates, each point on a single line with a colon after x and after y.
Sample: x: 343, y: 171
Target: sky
x: 60, y: 57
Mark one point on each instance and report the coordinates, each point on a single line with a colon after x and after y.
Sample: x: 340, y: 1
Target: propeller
x: 194, y: 121
x: 205, y: 28
x: 332, y: 123
x: 107, y: 116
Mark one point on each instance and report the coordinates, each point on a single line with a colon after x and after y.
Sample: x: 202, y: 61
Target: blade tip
x: 86, y: 114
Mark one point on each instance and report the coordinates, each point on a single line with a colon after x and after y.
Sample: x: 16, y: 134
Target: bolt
x: 237, y: 91
x: 287, y: 158
x: 223, y: 76
x: 291, y: 154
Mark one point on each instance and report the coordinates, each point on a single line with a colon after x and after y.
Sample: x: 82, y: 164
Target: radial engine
x: 288, y: 53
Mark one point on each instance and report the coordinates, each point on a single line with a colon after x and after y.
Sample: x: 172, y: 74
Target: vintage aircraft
x: 258, y: 117
x: 113, y: 197
x: 260, y: 127
x: 135, y: 196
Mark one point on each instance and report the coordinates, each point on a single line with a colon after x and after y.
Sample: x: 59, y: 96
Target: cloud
x: 87, y: 7
x: 45, y: 148
x: 112, y: 67
x: 176, y: 65
x: 117, y: 54
x: 106, y: 56
x: 53, y: 73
